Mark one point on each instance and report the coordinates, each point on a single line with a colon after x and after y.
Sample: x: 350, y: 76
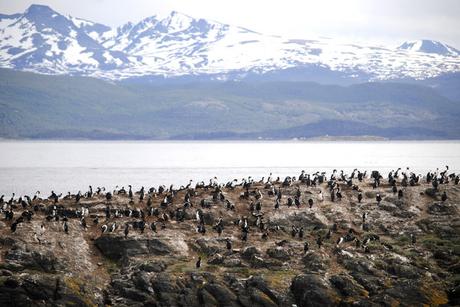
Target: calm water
x: 28, y: 166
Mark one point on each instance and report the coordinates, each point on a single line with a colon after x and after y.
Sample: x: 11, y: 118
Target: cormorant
x: 444, y: 196
x: 306, y: 246
x: 378, y: 198
x: 153, y: 226
x: 319, y: 242
x: 14, y: 227
x: 229, y: 244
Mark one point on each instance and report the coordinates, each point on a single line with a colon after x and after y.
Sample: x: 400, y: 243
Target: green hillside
x: 40, y: 106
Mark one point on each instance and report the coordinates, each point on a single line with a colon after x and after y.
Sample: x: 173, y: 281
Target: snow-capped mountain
x: 42, y: 40
x: 429, y: 46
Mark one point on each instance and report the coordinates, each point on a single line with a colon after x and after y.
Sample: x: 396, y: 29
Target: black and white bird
x: 104, y: 228
x: 340, y: 241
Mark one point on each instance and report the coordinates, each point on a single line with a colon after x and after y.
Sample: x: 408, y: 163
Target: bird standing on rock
x: 319, y: 242
x: 444, y: 196
x: 14, y: 227
x: 378, y: 198
x: 229, y: 244
x: 306, y: 246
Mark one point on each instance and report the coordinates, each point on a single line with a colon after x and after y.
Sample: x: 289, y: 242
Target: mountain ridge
x: 49, y: 107
x: 42, y: 40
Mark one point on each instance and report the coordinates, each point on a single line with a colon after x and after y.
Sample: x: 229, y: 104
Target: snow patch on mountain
x: 429, y: 46
x: 176, y: 44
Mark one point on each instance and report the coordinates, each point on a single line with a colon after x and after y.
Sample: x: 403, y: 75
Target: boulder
x: 34, y: 289
x: 316, y: 261
x: 232, y: 262
x: 259, y: 298
x: 270, y: 264
x: 20, y: 258
x: 141, y: 281
x: 116, y: 247
x: 312, y: 290
x: 442, y: 209
x: 384, y: 205
x: 208, y: 246
x: 249, y: 252
x: 430, y: 192
x: 279, y: 253
x: 372, y: 284
x: 260, y: 284
x: 221, y: 294
x: 347, y: 286
x: 162, y: 283
x: 154, y: 266
x: 371, y: 194
x: 216, y: 259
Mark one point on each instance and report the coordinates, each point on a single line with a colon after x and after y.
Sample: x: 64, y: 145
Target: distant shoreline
x: 313, y: 140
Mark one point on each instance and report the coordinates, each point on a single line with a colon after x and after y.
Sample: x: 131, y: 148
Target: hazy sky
x: 386, y: 21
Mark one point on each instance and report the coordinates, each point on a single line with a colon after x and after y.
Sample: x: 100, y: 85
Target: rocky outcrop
x: 405, y: 252
x: 117, y: 247
x: 19, y: 258
x: 313, y: 290
x: 44, y: 289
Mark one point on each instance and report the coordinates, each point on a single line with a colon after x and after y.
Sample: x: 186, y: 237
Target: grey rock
x: 116, y: 247
x: 312, y: 290
x: 279, y: 253
x: 250, y: 251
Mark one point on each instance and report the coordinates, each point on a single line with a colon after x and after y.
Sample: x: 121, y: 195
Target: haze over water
x: 28, y: 166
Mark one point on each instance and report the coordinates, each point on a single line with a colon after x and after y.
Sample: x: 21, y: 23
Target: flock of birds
x: 58, y: 208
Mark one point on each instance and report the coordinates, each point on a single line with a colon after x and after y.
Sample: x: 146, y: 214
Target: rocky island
x: 361, y: 239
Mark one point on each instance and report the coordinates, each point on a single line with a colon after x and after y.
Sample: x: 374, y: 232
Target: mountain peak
x: 429, y: 46
x: 176, y: 20
x: 39, y: 9
x: 174, y: 44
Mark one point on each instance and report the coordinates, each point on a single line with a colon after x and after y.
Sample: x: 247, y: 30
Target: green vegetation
x: 41, y: 106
